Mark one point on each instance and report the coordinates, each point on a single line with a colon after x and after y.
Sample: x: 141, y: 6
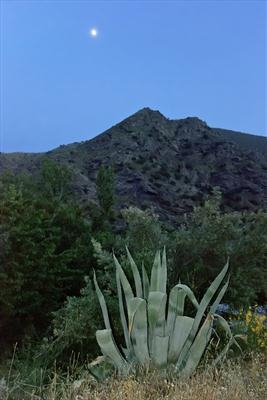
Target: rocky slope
x: 170, y: 165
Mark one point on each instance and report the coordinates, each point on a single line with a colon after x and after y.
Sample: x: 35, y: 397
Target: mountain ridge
x: 170, y: 165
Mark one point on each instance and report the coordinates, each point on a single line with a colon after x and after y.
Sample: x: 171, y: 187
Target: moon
x: 93, y: 32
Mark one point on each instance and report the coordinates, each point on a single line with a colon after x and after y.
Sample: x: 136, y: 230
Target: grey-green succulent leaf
x: 138, y: 330
x: 145, y: 283
x: 198, y: 347
x: 128, y: 350
x: 127, y: 290
x: 158, y: 280
x: 164, y: 271
x: 218, y: 299
x: 179, y: 335
x: 159, y: 351
x: 136, y: 275
x: 102, y: 303
x: 156, y: 309
x: 109, y: 349
x: 176, y: 304
x: 208, y: 296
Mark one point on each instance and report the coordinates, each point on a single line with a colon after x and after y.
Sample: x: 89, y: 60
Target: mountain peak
x: 148, y: 112
x: 168, y: 164
x: 147, y: 115
x: 144, y: 116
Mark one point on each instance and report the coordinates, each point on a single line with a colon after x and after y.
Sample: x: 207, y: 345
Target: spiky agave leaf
x: 102, y: 303
x: 164, y: 271
x: 200, y: 314
x: 158, y: 279
x: 156, y: 306
x: 128, y: 350
x: 218, y: 299
x: 180, y: 333
x: 138, y: 329
x: 231, y: 339
x: 198, y: 347
x: 176, y: 304
x: 159, y: 351
x: 127, y: 290
x: 145, y: 283
x: 136, y: 275
x: 109, y: 349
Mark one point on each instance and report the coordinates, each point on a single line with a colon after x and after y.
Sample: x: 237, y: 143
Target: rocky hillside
x: 170, y: 165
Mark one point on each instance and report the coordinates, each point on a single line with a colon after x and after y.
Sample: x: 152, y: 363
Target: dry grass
x: 233, y: 382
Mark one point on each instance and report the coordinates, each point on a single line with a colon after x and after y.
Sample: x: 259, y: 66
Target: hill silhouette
x: 170, y: 165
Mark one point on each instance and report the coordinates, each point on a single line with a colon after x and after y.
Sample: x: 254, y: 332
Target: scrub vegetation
x: 51, y: 305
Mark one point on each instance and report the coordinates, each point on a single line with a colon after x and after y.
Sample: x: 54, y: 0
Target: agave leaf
x: 145, y: 283
x: 198, y: 347
x: 223, y: 324
x: 200, y: 313
x: 128, y: 293
x: 102, y: 303
x: 128, y: 349
x: 136, y: 275
x: 138, y: 329
x: 109, y: 349
x: 232, y: 338
x: 157, y: 275
x: 159, y: 351
x: 218, y: 299
x: 133, y: 305
x: 156, y: 315
x: 212, y: 289
x: 163, y: 271
x: 221, y: 356
x: 180, y: 333
x: 176, y: 304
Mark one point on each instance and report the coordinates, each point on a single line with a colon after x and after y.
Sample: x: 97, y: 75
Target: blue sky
x: 184, y: 58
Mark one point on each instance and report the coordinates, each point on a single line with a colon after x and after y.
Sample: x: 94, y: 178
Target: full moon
x: 93, y: 32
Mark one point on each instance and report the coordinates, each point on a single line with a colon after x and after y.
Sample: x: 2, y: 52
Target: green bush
x: 144, y: 233
x: 205, y: 240
x: 45, y: 251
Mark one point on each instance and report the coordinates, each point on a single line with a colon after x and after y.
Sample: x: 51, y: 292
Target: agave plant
x: 156, y: 331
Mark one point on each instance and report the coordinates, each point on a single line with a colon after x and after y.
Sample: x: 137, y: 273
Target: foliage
x: 55, y: 180
x: 208, y: 237
x: 75, y: 323
x: 74, y: 326
x: 45, y: 251
x: 144, y: 229
x: 253, y: 324
x: 144, y: 232
x: 150, y: 338
x: 105, y: 192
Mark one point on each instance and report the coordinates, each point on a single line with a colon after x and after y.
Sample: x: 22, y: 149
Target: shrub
x: 205, y: 240
x: 253, y: 324
x: 45, y: 251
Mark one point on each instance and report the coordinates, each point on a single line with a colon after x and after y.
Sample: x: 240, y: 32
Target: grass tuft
x: 236, y: 380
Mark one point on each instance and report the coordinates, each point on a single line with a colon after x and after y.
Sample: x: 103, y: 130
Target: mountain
x: 170, y: 165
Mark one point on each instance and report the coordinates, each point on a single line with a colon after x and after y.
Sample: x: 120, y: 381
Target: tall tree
x: 45, y: 252
x: 102, y: 214
x: 105, y: 190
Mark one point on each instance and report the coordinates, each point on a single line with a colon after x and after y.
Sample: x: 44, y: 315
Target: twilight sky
x: 185, y: 58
